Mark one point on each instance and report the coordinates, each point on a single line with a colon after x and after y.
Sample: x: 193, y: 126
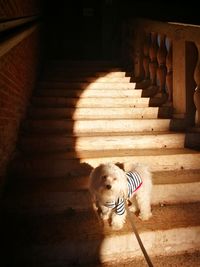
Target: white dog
x: 110, y: 187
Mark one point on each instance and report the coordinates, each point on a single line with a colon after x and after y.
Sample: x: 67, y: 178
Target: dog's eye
x: 104, y: 177
x: 114, y: 179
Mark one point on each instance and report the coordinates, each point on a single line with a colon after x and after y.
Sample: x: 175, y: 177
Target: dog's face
x: 108, y: 180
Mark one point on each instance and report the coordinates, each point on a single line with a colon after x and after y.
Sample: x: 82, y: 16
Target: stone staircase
x: 83, y: 114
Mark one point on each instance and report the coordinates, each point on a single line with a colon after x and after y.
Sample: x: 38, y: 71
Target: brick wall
x: 18, y: 73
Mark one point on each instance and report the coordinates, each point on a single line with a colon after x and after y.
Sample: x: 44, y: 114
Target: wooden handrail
x: 8, y: 25
x: 173, y: 30
x: 8, y: 44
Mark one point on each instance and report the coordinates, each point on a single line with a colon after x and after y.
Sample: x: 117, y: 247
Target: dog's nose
x: 108, y: 186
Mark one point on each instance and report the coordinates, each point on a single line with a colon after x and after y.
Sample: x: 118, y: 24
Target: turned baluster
x: 153, y: 57
x: 146, y: 56
x: 197, y: 89
x: 169, y: 76
x: 161, y: 58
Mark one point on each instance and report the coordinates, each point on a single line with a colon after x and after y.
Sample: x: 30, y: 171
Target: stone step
x: 39, y: 196
x: 61, y: 164
x: 84, y: 74
x: 116, y: 77
x: 55, y: 143
x: 96, y: 126
x: 81, y: 63
x: 90, y: 93
x: 183, y: 259
x: 79, y: 183
x: 91, y: 103
x: 83, y: 85
x: 77, y: 69
x: 99, y: 113
x: 78, y: 237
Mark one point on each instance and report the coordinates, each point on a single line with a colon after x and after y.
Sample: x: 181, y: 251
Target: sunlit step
x: 100, y: 113
x: 98, y: 126
x: 84, y: 85
x: 50, y: 101
x: 80, y: 235
x: 83, y: 74
x: 88, y: 79
x: 81, y: 163
x: 87, y: 93
x: 54, y: 63
x: 169, y: 187
x: 55, y: 143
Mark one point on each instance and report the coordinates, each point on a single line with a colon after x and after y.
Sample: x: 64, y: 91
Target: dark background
x: 91, y: 28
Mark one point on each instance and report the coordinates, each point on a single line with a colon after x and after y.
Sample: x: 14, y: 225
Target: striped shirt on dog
x: 134, y: 182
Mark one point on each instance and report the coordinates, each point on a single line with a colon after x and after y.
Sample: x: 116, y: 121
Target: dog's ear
x: 120, y: 165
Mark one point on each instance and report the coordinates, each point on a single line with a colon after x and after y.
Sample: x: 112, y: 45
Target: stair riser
x: 96, y: 113
x: 126, y: 247
x: 95, y: 85
x: 92, y: 103
x: 87, y: 93
x: 176, y: 193
x: 97, y: 126
x: 55, y: 167
x: 105, y: 143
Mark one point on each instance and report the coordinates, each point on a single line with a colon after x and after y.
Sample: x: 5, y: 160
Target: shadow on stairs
x: 83, y: 114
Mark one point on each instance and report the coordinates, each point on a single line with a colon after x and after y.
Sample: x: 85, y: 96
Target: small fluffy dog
x: 110, y: 187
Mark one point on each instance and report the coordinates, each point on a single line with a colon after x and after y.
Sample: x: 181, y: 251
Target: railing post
x: 179, y: 84
x: 197, y: 89
x: 138, y: 55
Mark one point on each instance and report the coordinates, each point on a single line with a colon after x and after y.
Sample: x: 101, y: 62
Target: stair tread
x: 185, y: 259
x: 90, y: 93
x: 101, y: 112
x: 56, y: 195
x: 82, y: 86
x: 72, y: 225
x: 43, y: 143
x: 86, y: 73
x: 61, y: 77
x: 94, y: 102
x: 98, y: 125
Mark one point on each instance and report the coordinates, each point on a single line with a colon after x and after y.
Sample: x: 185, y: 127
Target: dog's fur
x: 108, y: 182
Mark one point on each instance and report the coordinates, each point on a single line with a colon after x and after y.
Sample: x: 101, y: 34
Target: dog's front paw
x: 117, y: 221
x: 104, y: 216
x: 145, y: 216
x: 133, y: 208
